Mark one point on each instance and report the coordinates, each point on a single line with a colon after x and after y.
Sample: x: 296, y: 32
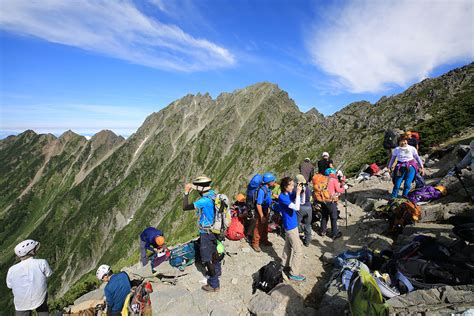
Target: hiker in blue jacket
x: 150, y: 239
x: 263, y: 203
x: 117, y: 288
x: 204, y: 207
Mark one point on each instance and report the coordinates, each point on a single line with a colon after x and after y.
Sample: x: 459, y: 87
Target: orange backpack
x: 407, y: 213
x: 320, y: 188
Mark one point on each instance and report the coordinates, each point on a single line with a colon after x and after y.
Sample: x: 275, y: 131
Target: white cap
x: 325, y: 154
x: 25, y: 247
x: 307, y: 159
x: 103, y: 270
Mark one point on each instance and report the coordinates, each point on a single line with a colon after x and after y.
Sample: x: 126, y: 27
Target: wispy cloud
x: 114, y: 28
x: 370, y: 46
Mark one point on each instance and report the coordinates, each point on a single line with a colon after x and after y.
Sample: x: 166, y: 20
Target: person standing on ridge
x: 329, y: 208
x: 117, y: 288
x: 204, y: 207
x: 408, y: 163
x: 305, y: 214
x: 151, y: 239
x: 264, y: 201
x: 289, y: 204
x: 324, y: 163
x: 28, y: 280
x: 307, y: 169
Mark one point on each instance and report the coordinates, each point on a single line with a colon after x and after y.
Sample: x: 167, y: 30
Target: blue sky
x: 93, y: 65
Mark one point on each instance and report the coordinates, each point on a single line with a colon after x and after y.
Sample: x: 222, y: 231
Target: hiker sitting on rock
x: 329, y: 208
x: 27, y: 279
x: 324, y: 163
x: 263, y: 203
x: 151, y: 239
x: 117, y: 288
x: 305, y: 214
x: 204, y: 206
x: 408, y: 163
x: 289, y: 203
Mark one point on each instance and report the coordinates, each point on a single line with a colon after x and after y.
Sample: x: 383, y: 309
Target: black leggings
x: 329, y: 210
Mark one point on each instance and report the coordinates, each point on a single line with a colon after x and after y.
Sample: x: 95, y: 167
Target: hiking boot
x: 321, y: 233
x: 306, y: 244
x: 256, y: 248
x: 338, y: 234
x: 209, y: 288
x: 298, y: 278
x: 266, y: 243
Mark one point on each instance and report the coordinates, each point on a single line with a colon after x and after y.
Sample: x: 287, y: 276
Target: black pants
x: 42, y: 310
x: 329, y: 210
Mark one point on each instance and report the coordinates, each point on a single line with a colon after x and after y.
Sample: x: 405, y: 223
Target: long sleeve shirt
x: 405, y: 154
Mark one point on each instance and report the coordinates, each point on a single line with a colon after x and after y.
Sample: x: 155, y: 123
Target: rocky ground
x: 315, y: 296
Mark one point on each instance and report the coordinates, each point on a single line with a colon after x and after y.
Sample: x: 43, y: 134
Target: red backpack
x: 373, y: 168
x: 235, y: 230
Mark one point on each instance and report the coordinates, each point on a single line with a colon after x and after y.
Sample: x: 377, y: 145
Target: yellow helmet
x: 442, y: 189
x: 240, y: 198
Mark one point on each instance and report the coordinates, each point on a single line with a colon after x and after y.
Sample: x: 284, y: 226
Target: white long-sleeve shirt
x: 27, y: 279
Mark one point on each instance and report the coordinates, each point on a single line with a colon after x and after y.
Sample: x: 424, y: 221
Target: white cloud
x: 114, y: 28
x: 369, y: 46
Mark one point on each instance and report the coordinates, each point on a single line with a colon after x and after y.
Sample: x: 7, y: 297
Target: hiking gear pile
x: 426, y: 194
x: 138, y: 302
x: 400, y: 212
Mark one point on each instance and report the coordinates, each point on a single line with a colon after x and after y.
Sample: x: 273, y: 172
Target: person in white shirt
x: 27, y: 279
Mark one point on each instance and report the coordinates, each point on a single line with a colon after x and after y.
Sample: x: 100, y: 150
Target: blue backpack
x: 252, y: 191
x: 182, y: 256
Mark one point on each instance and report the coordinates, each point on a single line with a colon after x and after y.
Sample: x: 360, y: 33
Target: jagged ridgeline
x: 87, y: 200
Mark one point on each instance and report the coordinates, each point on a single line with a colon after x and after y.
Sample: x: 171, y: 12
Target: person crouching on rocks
x: 27, y: 279
x: 204, y: 207
x: 408, y: 163
x: 289, y: 204
x: 152, y: 239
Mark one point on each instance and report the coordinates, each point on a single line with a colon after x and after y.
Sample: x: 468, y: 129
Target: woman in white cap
x: 324, y: 163
x: 27, y: 279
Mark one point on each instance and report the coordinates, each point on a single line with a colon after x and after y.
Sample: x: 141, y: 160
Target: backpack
x: 235, y: 230
x: 252, y: 190
x: 407, y: 213
x: 415, y: 135
x: 373, y: 169
x: 364, y: 294
x: 222, y: 214
x: 182, y: 256
x: 427, y: 193
x: 138, y: 302
x: 320, y: 188
x: 390, y: 139
x: 268, y: 277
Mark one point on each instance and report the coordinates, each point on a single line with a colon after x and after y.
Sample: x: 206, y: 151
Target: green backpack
x: 365, y: 297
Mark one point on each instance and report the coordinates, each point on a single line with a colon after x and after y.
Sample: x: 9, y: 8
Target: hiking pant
x: 305, y: 216
x: 329, y: 210
x: 42, y: 310
x: 249, y: 227
x: 260, y: 233
x: 208, y: 252
x: 292, y: 251
x: 400, y: 175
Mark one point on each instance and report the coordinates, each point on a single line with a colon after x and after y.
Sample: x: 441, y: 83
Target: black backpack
x: 268, y: 277
x: 390, y: 139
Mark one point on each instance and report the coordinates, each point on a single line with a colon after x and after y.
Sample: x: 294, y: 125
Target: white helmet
x: 25, y: 247
x: 325, y: 154
x: 103, y: 270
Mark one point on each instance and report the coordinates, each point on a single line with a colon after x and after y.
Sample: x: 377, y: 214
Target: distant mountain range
x: 87, y: 200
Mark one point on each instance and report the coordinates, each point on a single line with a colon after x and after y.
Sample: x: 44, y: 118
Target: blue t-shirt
x: 264, y: 197
x: 116, y: 291
x: 290, y: 219
x: 149, y: 235
x: 205, y: 206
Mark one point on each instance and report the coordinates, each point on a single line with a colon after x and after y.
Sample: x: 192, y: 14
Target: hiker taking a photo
x: 408, y: 164
x: 324, y: 163
x: 289, y: 203
x: 263, y: 203
x: 305, y: 214
x: 151, y: 239
x: 28, y: 280
x: 204, y: 207
x: 117, y: 289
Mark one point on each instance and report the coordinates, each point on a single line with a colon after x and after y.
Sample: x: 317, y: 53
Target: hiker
x: 305, y: 213
x: 390, y: 141
x: 27, y: 279
x: 117, y: 288
x: 289, y: 203
x: 411, y: 139
x: 263, y: 203
x: 324, y: 163
x: 467, y: 161
x: 151, y: 239
x: 329, y: 208
x: 408, y: 163
x: 306, y: 169
x: 204, y: 207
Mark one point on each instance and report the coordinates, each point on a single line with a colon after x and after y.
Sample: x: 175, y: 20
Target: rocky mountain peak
x: 68, y: 136
x: 106, y: 137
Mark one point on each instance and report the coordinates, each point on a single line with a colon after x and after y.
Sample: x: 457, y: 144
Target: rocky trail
x: 317, y: 295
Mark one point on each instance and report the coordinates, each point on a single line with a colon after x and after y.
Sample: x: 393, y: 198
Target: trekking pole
x: 463, y: 184
x: 345, y: 204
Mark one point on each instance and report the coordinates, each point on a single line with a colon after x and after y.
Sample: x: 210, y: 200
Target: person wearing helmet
x: 117, y: 288
x: 305, y: 213
x: 240, y: 207
x: 263, y: 203
x: 204, y: 207
x: 329, y: 209
x: 151, y: 239
x: 28, y: 280
x: 324, y: 163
